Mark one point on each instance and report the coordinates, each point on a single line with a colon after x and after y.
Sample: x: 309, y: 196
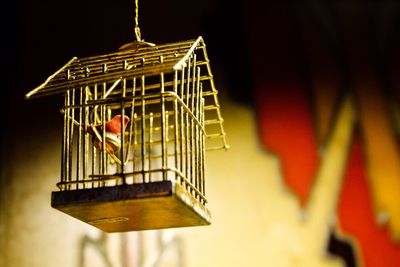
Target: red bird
x: 113, y: 133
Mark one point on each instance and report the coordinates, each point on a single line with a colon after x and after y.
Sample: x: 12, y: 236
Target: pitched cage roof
x: 121, y: 64
x: 113, y: 67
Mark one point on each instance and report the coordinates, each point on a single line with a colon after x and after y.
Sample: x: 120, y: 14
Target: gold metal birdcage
x: 137, y: 123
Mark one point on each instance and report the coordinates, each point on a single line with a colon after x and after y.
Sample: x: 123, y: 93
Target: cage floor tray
x: 134, y: 207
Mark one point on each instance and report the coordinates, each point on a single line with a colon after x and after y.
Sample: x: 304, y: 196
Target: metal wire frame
x: 165, y: 139
x: 168, y: 93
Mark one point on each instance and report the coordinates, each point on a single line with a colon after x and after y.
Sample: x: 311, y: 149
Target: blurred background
x: 310, y: 94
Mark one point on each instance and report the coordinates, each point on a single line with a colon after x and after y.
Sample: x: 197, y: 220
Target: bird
x: 112, y: 134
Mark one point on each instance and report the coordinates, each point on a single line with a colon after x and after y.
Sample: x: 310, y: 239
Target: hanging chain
x: 137, y: 29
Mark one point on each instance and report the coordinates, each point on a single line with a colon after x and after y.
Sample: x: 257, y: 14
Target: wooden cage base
x: 123, y: 208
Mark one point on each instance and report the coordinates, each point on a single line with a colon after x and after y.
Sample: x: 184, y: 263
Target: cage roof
x: 121, y: 64
x: 150, y: 60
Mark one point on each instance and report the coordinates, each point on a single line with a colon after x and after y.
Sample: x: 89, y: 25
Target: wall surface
x: 310, y: 96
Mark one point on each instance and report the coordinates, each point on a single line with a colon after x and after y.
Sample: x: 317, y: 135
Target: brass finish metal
x: 168, y: 107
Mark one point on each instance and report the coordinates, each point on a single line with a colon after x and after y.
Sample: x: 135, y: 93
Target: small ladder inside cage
x: 135, y: 129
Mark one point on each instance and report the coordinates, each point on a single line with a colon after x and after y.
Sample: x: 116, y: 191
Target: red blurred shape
x: 285, y: 125
x: 355, y: 215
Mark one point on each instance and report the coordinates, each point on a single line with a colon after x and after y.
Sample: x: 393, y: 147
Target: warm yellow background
x: 256, y: 220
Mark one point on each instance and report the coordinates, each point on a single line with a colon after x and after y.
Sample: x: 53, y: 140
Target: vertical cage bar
x: 79, y: 150
x: 135, y: 142
x: 203, y: 151
x: 71, y: 137
x: 163, y: 128
x: 150, y: 144
x: 107, y: 153
x: 68, y: 142
x: 143, y: 124
x: 187, y: 171
x: 197, y: 137
x: 165, y: 174
x: 122, y: 135
x: 85, y: 137
x: 131, y: 119
x: 192, y: 151
x: 133, y: 125
x: 64, y: 158
x: 200, y: 136
x: 177, y: 141
x: 181, y: 128
x: 94, y: 152
x: 103, y: 133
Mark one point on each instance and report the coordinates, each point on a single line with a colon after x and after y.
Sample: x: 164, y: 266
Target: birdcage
x: 137, y: 123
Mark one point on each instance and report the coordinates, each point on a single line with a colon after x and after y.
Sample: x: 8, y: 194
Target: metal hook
x: 137, y: 29
x: 139, y: 42
x: 137, y: 34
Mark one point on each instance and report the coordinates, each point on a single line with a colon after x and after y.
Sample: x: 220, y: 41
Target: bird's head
x: 114, y: 125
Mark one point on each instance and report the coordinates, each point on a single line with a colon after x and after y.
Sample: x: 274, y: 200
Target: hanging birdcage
x: 137, y: 123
